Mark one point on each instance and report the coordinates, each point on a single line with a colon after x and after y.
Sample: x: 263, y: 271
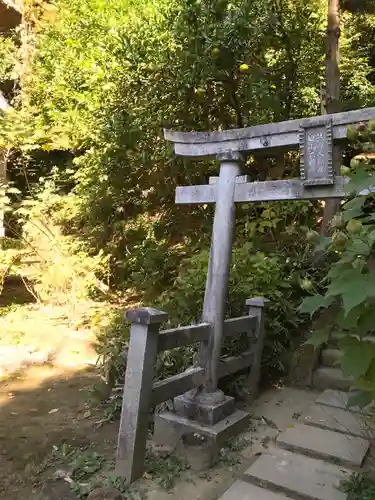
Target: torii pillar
x: 219, y: 264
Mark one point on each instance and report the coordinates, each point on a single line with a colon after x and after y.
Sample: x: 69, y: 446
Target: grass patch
x: 229, y: 453
x: 85, y: 469
x: 165, y: 470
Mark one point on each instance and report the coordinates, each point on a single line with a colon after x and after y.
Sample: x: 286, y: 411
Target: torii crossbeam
x: 314, y: 137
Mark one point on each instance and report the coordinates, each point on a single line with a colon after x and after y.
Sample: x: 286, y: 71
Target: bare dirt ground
x: 52, y: 443
x: 46, y: 375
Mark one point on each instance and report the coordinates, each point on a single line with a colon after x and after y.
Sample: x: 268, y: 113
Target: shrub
x: 279, y: 274
x: 60, y: 266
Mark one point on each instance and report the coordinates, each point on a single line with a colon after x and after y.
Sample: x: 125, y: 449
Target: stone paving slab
x: 246, y: 491
x: 335, y: 419
x: 324, y: 444
x: 298, y: 475
x: 338, y: 399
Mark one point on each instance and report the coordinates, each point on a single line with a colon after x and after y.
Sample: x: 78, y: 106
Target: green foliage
x: 359, y: 487
x: 165, y: 469
x: 350, y: 281
x: 8, y: 258
x: 61, y: 268
x: 102, y: 80
x: 357, y: 89
x: 106, y: 77
x: 256, y: 271
x: 8, y: 58
x: 358, y: 6
x: 275, y: 265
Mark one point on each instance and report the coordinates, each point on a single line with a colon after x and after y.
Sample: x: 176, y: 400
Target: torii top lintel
x: 275, y: 136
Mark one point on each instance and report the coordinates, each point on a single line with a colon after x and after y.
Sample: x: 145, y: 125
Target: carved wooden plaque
x: 316, y: 154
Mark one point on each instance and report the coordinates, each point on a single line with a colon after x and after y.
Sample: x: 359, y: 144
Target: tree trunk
x: 4, y: 106
x: 332, y: 96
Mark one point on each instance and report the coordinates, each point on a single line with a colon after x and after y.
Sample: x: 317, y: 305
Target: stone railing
x: 141, y: 392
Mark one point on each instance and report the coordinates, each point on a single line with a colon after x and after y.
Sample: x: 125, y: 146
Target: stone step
x: 297, y: 475
x: 338, y: 399
x: 324, y: 444
x: 331, y: 378
x: 331, y: 357
x: 335, y: 419
x: 240, y: 490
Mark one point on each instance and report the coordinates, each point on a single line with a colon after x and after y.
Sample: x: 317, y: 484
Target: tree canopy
x: 99, y: 80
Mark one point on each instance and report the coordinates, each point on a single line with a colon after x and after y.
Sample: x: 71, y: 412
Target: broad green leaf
x: 359, y: 181
x: 371, y: 237
x: 356, y: 356
x: 350, y: 321
x: 322, y: 244
x: 353, y: 208
x: 341, y: 271
x: 353, y: 287
x: 355, y: 203
x: 360, y: 247
x: 312, y: 304
x: 360, y: 399
x: 356, y: 294
x: 367, y: 382
x: 348, y: 342
x: 319, y: 338
x: 366, y: 324
x: 347, y: 257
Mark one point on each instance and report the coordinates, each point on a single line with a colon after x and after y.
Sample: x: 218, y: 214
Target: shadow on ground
x: 19, y: 291
x: 42, y: 408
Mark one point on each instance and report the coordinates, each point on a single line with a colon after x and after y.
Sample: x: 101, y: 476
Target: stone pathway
x: 311, y: 457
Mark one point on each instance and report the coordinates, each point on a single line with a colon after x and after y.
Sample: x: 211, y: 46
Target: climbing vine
x: 350, y: 283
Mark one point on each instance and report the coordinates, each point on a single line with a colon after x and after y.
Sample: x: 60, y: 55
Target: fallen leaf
x: 55, y: 410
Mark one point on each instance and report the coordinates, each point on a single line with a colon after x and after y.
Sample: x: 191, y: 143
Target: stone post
x: 138, y: 386
x: 219, y: 265
x: 256, y: 308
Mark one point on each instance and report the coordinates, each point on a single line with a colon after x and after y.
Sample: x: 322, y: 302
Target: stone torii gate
x: 314, y: 137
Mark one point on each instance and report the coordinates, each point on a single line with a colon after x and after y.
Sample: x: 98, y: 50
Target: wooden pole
x: 4, y: 106
x: 3, y: 180
x: 332, y: 96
